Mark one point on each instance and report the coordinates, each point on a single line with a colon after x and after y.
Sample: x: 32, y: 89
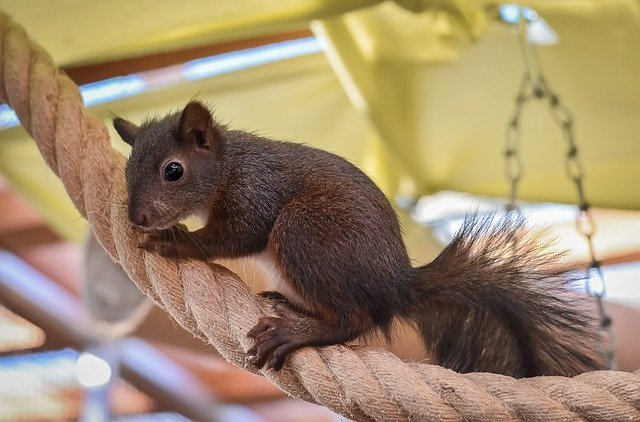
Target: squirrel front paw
x: 163, y: 242
x: 161, y: 246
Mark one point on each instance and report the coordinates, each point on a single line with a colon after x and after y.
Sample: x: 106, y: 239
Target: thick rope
x: 215, y: 305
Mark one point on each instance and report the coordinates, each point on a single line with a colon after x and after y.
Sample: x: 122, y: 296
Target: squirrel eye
x: 173, y: 171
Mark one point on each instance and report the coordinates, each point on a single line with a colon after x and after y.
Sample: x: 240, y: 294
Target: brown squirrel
x: 489, y: 302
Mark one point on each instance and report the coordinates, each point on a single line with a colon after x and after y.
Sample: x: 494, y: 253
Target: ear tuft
x: 127, y: 130
x: 196, y: 125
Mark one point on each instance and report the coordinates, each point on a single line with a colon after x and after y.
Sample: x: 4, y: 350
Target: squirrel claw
x: 272, y: 295
x: 272, y: 344
x: 264, y: 324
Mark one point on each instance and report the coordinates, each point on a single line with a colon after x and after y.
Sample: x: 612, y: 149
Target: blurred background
x: 451, y: 106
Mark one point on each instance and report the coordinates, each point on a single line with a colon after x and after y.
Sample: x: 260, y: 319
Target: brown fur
x: 489, y: 302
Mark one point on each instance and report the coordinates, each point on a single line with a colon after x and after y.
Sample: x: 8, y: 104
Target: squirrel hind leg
x: 276, y: 337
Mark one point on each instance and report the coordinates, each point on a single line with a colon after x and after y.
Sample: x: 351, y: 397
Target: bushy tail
x: 495, y: 301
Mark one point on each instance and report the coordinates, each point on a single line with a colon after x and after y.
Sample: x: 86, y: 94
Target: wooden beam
x: 95, y: 72
x: 621, y: 258
x: 38, y: 299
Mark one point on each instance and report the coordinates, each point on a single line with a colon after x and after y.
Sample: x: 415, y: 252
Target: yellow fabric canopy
x: 421, y: 98
x: 441, y: 99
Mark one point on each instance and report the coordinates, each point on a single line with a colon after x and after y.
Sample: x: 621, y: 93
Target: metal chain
x: 513, y: 160
x: 534, y: 86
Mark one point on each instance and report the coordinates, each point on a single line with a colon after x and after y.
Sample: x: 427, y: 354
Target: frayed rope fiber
x: 215, y: 305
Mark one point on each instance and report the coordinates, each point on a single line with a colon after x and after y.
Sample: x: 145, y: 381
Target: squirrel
x: 491, y: 301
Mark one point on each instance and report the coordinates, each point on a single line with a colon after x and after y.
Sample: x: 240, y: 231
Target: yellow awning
x: 421, y: 97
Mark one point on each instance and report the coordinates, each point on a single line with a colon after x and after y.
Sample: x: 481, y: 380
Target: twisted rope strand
x: 215, y: 305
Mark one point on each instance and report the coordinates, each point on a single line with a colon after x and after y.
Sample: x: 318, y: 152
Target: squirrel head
x: 174, y: 167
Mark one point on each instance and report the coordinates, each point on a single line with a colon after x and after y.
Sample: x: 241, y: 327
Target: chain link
x: 514, y: 170
x: 534, y: 86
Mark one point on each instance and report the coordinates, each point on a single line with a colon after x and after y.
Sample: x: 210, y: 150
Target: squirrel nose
x: 139, y: 218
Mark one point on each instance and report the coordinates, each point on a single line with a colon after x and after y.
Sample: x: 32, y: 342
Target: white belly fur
x: 197, y: 220
x: 276, y: 278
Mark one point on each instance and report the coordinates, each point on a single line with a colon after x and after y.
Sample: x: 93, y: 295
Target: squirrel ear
x: 196, y: 124
x: 127, y: 130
